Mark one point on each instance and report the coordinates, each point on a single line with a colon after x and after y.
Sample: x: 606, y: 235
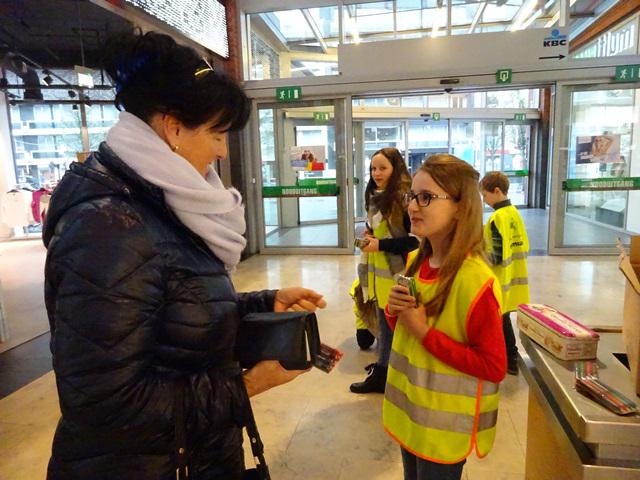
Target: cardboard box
x: 630, y: 267
x: 557, y: 332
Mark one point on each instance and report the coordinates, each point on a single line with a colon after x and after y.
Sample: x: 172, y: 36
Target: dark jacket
x: 138, y: 305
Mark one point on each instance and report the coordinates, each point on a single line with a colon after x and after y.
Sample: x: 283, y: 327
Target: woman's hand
x: 415, y: 321
x: 266, y: 375
x: 298, y: 299
x: 400, y: 300
x: 372, y: 246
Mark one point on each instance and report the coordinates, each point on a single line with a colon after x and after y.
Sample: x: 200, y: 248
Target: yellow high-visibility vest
x: 512, y: 272
x: 430, y: 408
x: 381, y: 274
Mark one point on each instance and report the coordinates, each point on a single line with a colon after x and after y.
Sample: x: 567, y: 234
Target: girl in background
x: 448, y: 352
x: 385, y: 254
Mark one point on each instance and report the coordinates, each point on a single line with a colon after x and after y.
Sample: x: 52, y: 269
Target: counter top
x: 591, y: 422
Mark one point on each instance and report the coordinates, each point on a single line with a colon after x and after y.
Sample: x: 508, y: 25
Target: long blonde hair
x: 460, y: 181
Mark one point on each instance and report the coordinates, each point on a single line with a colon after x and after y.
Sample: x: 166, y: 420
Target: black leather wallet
x: 292, y: 338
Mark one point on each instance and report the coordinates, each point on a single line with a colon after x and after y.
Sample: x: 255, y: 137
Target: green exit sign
x: 627, y: 73
x: 519, y: 117
x: 288, y: 94
x: 321, y: 116
x: 435, y: 116
x: 503, y: 76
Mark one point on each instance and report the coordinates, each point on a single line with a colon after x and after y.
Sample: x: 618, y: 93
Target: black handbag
x: 292, y: 338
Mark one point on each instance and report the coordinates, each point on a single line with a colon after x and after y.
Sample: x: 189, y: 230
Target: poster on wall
x: 310, y: 158
x: 598, y: 149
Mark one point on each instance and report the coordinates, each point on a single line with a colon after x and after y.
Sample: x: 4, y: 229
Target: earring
x: 175, y: 149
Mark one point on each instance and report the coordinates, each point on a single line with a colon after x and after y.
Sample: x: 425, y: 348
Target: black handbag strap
x: 181, y: 451
x: 257, y: 448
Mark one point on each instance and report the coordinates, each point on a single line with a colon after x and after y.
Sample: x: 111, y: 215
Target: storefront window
x: 100, y: 118
x: 46, y: 139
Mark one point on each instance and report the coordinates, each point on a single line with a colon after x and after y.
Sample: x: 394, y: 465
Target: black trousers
x: 509, y: 337
x: 416, y: 468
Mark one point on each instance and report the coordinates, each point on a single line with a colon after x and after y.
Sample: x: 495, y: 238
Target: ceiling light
x: 71, y: 94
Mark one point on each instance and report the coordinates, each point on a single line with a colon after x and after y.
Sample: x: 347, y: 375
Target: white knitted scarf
x: 202, y: 204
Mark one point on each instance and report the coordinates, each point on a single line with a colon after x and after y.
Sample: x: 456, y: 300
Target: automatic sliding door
x: 496, y: 146
x: 303, y: 163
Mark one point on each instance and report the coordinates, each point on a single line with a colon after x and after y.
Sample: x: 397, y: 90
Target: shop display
x: 16, y: 208
x: 558, y: 333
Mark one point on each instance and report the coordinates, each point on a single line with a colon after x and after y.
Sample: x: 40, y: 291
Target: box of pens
x: 589, y: 384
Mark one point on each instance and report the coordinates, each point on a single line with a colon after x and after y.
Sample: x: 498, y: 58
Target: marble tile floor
x: 314, y: 428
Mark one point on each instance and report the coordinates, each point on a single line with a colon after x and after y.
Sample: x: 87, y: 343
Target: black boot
x: 375, y: 381
x: 365, y: 338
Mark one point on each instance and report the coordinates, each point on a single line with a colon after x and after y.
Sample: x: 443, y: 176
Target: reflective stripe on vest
x: 430, y: 408
x: 514, y: 256
x: 440, y: 382
x: 439, y: 419
x: 515, y: 282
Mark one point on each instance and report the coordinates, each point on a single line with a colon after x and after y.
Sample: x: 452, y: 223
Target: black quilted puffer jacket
x: 138, y: 305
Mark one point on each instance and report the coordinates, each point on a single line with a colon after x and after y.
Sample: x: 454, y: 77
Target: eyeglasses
x: 423, y: 198
x: 207, y: 69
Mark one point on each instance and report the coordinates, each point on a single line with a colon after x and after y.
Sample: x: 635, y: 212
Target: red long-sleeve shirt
x: 484, y: 356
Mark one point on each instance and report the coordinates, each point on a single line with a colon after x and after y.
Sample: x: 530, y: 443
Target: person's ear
x: 497, y: 191
x: 171, y: 129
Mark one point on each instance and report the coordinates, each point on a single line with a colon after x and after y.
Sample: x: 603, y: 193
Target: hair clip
x: 204, y: 70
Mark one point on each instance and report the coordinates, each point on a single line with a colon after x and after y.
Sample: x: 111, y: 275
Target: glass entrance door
x: 491, y: 145
x: 303, y: 158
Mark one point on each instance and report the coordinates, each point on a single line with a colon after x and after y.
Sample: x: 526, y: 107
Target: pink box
x: 558, y: 333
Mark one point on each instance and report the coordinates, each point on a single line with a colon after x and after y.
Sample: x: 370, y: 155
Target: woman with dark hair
x: 143, y: 314
x: 384, y: 255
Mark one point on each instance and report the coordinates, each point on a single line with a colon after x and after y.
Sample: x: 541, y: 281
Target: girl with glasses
x: 385, y: 253
x: 448, y: 353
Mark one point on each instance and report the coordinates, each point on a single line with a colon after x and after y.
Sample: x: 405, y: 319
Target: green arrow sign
x: 435, y: 116
x: 591, y: 184
x: 503, y: 76
x: 288, y: 94
x: 321, y: 116
x: 519, y: 117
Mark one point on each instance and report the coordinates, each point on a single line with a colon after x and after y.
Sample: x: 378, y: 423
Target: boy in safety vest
x: 448, y: 356
x: 507, y: 247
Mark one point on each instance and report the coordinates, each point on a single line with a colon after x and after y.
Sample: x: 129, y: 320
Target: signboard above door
x: 457, y: 53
